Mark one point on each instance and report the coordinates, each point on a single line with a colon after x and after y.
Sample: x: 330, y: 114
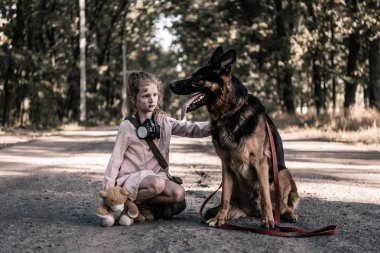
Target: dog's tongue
x: 187, y: 103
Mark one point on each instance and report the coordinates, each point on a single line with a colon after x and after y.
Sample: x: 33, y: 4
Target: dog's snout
x: 172, y: 86
x: 182, y: 87
x: 175, y: 87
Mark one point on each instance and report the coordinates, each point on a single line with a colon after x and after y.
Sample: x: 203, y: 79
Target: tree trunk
x: 279, y: 88
x: 288, y: 93
x: 284, y: 51
x: 353, y: 53
x: 318, y: 95
x: 374, y: 74
x: 82, y: 64
x: 71, y: 104
x: 351, y: 85
x: 7, y: 97
x: 332, y: 66
x: 124, y: 58
x: 106, y: 43
x: 11, y: 80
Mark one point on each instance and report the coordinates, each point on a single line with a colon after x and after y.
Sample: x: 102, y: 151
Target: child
x: 133, y: 165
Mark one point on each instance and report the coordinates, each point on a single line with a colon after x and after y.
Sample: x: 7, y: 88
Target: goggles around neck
x: 148, y: 130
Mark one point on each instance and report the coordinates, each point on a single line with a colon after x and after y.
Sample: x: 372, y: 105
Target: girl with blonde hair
x: 133, y: 165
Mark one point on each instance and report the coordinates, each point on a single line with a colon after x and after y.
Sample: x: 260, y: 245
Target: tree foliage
x: 294, y: 53
x: 321, y: 55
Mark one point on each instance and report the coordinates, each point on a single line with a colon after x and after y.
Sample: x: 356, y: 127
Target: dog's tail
x: 234, y: 213
x: 294, y: 198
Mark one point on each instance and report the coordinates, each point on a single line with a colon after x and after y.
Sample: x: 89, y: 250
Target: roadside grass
x: 360, y: 127
x: 15, y: 135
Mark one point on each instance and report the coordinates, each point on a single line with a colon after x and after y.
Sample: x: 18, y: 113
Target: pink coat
x: 131, y: 160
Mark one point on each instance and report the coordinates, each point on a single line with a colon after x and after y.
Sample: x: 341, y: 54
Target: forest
x: 319, y: 58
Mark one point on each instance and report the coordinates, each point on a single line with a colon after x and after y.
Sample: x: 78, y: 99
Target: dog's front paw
x: 267, y: 221
x: 291, y: 216
x: 218, y: 220
x: 214, y: 222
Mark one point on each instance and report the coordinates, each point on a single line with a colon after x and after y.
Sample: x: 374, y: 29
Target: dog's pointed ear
x: 227, y: 59
x: 216, y: 55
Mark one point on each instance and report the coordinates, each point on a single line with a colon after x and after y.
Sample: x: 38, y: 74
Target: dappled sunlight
x: 339, y: 191
x: 54, y: 190
x: 324, y: 165
x: 104, y: 131
x: 78, y: 169
x: 327, y: 171
x: 86, y: 161
x: 13, y: 173
x: 75, y: 151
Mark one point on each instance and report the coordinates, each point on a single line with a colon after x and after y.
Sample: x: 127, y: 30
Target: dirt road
x: 49, y: 186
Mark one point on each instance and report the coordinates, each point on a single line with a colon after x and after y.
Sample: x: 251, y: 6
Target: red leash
x: 280, y: 230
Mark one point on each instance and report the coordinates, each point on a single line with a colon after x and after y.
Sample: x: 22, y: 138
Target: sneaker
x: 140, y: 218
x: 145, y: 213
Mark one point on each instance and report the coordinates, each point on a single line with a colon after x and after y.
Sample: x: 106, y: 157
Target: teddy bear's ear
x: 102, y: 194
x: 124, y: 191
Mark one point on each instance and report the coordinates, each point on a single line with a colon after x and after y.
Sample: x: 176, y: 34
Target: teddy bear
x: 116, y: 207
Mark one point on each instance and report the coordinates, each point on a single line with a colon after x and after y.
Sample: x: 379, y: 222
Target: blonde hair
x: 135, y: 79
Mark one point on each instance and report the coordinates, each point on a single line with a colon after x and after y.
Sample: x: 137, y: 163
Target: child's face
x: 147, y: 97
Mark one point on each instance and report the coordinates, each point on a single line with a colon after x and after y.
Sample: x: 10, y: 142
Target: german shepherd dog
x: 240, y: 138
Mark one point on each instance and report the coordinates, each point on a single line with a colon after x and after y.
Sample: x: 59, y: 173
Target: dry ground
x: 49, y: 186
